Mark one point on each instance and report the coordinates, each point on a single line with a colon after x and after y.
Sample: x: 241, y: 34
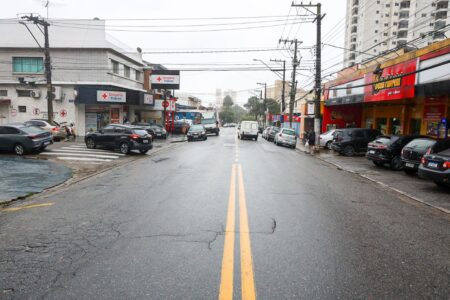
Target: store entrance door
x: 102, y: 120
x: 414, y: 126
x: 382, y: 125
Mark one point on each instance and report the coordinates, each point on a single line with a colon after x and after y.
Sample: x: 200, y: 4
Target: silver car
x: 287, y: 137
x: 326, y: 138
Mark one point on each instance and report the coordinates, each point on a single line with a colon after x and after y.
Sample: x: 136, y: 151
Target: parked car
x: 350, y: 141
x: 436, y: 167
x: 122, y: 137
x: 272, y: 132
x: 387, y: 150
x: 286, y: 137
x: 248, y: 129
x: 57, y: 131
x: 21, y: 138
x: 413, y: 152
x: 197, y: 132
x: 265, y: 133
x: 147, y: 128
x: 326, y: 138
x: 160, y: 132
x: 260, y: 129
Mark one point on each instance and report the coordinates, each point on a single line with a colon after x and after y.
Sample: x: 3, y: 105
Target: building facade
x: 376, y: 26
x: 96, y: 80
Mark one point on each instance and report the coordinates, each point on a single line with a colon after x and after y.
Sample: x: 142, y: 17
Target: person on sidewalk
x: 311, y: 141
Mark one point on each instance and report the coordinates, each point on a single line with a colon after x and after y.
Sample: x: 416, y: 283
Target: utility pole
x: 48, y: 69
x: 318, y: 84
x: 265, y: 99
x: 283, y: 103
x: 293, y: 83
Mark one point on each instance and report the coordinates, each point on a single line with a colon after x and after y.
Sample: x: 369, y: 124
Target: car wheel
x: 205, y: 138
x: 19, y: 149
x: 349, y: 150
x: 328, y: 145
x: 143, y: 151
x: 217, y: 133
x: 396, y: 163
x: 256, y: 138
x: 378, y: 163
x: 294, y: 147
x: 440, y: 184
x: 409, y: 171
x: 124, y: 148
x: 90, y: 143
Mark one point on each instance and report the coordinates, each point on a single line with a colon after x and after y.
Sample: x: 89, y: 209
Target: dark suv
x: 349, y: 141
x: 387, y: 150
x: 122, y: 137
x: 413, y: 152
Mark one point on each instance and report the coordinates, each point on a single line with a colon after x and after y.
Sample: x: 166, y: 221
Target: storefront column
x: 405, y: 119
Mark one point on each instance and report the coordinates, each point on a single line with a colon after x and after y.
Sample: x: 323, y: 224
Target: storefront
x: 103, y: 105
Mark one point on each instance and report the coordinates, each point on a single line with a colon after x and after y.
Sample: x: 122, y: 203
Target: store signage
x: 111, y: 96
x: 165, y: 79
x: 148, y: 99
x: 310, y: 108
x: 434, y: 112
x: 390, y: 83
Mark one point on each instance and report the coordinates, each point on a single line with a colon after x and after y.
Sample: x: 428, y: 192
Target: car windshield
x: 196, y: 128
x: 288, y: 132
x: 31, y: 129
x: 421, y: 144
x: 208, y: 121
x: 140, y: 132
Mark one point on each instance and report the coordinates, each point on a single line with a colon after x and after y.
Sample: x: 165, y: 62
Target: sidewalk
x: 412, y: 187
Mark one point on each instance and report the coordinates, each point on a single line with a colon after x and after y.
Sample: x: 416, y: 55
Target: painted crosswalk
x: 81, y: 154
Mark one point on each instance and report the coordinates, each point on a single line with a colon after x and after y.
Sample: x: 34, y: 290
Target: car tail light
x: 446, y: 165
x: 423, y: 160
x: 134, y: 136
x: 428, y: 151
x: 32, y: 137
x: 55, y: 129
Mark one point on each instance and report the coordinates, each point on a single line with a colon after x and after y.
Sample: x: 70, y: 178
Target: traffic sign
x: 165, y: 103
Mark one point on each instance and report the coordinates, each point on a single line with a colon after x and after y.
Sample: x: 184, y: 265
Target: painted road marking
x: 28, y: 206
x: 226, y: 283
x: 247, y: 277
x: 87, y: 151
x: 80, y: 154
x: 87, y: 159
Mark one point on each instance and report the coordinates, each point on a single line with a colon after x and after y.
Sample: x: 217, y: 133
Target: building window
x: 388, y: 5
x: 424, y: 15
x: 22, y: 108
x: 375, y: 41
x: 385, y: 34
x: 394, y: 42
x: 115, y: 66
x: 376, y: 31
x: 378, y: 2
x: 28, y: 65
x: 394, y: 33
x: 396, y: 4
x: 387, y: 15
x: 395, y: 14
x: 126, y: 71
x: 4, y: 93
x: 376, y: 22
x: 23, y: 93
x: 386, y: 24
x: 377, y: 12
x: 138, y: 75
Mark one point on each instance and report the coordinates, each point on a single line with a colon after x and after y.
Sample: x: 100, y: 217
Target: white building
x: 97, y: 80
x: 375, y: 26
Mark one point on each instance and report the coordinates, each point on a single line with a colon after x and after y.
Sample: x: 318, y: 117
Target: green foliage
x: 273, y: 106
x: 227, y: 102
x: 227, y: 116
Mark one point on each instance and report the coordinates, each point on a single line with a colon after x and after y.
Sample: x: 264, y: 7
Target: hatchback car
x: 436, y: 167
x: 57, y: 131
x: 123, y: 137
x: 387, y: 150
x: 23, y: 138
x: 326, y: 138
x: 286, y: 137
x: 350, y: 141
x: 413, y: 152
x: 197, y: 132
x: 265, y: 133
x: 272, y: 132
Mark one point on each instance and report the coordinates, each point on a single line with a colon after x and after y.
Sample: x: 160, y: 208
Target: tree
x: 273, y: 106
x: 255, y: 106
x: 227, y: 102
x: 227, y: 116
x: 239, y: 112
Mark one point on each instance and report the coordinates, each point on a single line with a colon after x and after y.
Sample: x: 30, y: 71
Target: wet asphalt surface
x: 154, y: 229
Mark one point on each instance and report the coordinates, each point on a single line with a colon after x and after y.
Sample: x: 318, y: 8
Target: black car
x: 272, y: 132
x: 122, y: 137
x: 387, y: 150
x: 21, y: 138
x: 436, y: 167
x: 350, y: 141
x: 197, y: 132
x: 413, y: 152
x: 160, y: 132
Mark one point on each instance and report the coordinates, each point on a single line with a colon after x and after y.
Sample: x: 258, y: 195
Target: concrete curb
x: 72, y: 181
x: 405, y: 194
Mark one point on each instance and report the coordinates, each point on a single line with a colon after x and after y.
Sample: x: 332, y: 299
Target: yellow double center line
x: 227, y: 275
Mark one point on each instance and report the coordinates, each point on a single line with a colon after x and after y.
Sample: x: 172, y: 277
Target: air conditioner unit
x: 57, y: 91
x: 35, y: 94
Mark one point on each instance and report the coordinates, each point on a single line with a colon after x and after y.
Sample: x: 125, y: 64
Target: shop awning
x: 353, y: 99
x: 5, y: 101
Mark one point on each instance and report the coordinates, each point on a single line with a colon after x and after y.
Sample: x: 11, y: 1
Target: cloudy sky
x: 210, y: 26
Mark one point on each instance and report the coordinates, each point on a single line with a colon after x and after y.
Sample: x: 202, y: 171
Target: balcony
x: 354, y: 29
x: 355, y: 11
x: 439, y: 35
x: 354, y: 20
x: 403, y: 24
x: 404, y: 15
x: 401, y: 43
x: 405, y: 4
x: 439, y: 25
x: 402, y: 34
x: 355, y: 2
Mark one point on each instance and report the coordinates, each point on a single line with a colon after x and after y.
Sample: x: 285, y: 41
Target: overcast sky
x: 203, y: 84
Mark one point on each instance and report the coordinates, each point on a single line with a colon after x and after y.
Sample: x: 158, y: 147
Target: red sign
x: 434, y: 112
x: 389, y: 84
x: 165, y: 103
x: 63, y: 113
x: 13, y: 112
x: 295, y: 119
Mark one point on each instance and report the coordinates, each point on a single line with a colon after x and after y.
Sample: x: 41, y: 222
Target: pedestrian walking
x: 311, y: 141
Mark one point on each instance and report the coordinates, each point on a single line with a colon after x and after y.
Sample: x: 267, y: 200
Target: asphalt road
x: 224, y: 218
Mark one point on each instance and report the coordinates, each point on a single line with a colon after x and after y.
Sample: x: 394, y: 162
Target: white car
x: 286, y: 137
x: 248, y: 129
x: 326, y: 138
